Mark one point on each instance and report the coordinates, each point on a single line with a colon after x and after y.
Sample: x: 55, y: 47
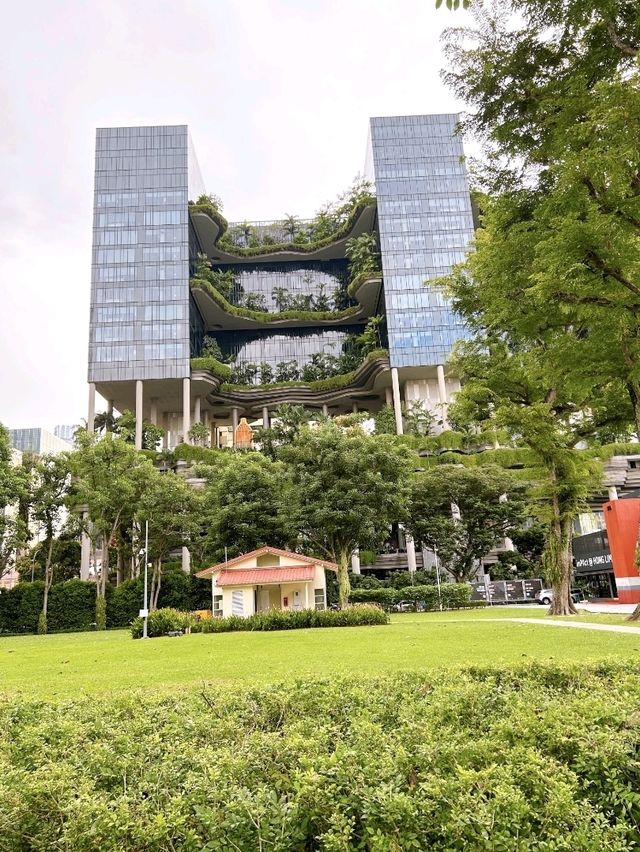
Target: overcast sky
x: 276, y: 93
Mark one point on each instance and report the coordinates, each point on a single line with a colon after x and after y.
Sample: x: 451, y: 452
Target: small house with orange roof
x: 266, y: 579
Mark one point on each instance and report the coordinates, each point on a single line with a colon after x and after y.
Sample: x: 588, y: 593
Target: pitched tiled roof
x: 274, y: 551
x: 266, y: 576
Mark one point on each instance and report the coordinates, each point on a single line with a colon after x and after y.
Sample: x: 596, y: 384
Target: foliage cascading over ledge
x: 363, y: 201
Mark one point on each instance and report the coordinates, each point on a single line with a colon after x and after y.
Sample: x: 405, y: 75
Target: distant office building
x: 66, y: 433
x: 282, y: 310
x: 37, y: 441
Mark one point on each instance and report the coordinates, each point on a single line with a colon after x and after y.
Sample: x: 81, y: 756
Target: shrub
x: 161, y: 622
x: 20, y: 607
x: 383, y: 597
x: 544, y: 757
x: 72, y: 606
x: 353, y: 616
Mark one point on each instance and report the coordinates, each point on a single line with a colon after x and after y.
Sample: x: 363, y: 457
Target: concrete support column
x: 139, y: 399
x: 325, y: 409
x: 154, y: 410
x: 265, y: 417
x: 442, y: 394
x: 397, y: 407
x: 234, y: 425
x: 109, y: 414
x: 186, y: 409
x: 411, y: 553
x: 355, y: 561
x: 613, y: 492
x: 186, y: 560
x: 85, y: 553
x: 354, y: 407
x: 388, y: 396
x: 91, y: 413
x: 197, y: 410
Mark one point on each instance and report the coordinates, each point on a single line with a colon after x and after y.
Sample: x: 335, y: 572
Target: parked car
x: 403, y: 606
x: 545, y: 596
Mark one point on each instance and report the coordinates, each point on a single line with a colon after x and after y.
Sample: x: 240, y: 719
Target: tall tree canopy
x: 483, y: 519
x: 344, y: 490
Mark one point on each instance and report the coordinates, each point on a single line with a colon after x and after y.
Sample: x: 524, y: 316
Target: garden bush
x: 452, y: 595
x: 353, y: 616
x: 161, y: 622
x: 541, y: 758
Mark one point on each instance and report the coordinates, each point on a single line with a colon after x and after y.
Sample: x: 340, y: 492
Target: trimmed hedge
x: 453, y: 596
x: 536, y: 758
x: 170, y: 619
x: 72, y: 604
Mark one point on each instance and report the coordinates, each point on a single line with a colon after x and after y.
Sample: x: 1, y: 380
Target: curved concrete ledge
x: 209, y: 231
x: 218, y: 314
x: 253, y: 398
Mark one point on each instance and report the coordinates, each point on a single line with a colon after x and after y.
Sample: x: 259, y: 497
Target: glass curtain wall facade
x: 139, y: 322
x: 426, y: 224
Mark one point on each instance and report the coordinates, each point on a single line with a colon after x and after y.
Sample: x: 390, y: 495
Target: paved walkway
x: 585, y: 625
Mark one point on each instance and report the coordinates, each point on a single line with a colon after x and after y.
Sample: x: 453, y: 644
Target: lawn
x: 67, y: 665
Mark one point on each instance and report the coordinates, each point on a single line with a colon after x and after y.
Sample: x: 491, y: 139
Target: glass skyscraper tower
x: 194, y: 319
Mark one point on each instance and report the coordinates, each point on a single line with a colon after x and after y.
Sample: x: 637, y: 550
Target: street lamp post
x: 144, y: 612
x: 435, y: 553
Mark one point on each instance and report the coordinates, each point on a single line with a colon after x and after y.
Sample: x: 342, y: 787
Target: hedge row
x: 72, y: 604
x: 164, y: 621
x: 543, y: 758
x: 452, y: 595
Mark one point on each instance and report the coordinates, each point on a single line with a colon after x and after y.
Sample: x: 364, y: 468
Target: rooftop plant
x: 332, y: 222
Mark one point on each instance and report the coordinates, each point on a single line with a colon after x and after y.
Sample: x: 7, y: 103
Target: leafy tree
x: 242, y: 506
x: 552, y: 289
x: 48, y: 495
x: 211, y: 349
x: 418, y: 419
x: 171, y: 508
x: 254, y: 301
x: 344, y: 490
x: 363, y: 254
x: 65, y: 560
x: 199, y: 434
x: 13, y: 489
x: 286, y: 422
x: 109, y: 479
x: 462, y: 538
x: 125, y: 428
x: 266, y: 373
x: 385, y: 421
x: 287, y: 371
x: 291, y: 226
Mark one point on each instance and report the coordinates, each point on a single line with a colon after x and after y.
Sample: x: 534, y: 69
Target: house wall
x: 248, y: 600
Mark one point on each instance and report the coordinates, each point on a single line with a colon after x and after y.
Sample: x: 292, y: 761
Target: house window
x: 318, y: 595
x: 217, y: 606
x: 237, y: 602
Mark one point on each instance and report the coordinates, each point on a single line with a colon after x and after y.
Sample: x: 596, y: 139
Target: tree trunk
x: 156, y: 582
x: 557, y: 561
x: 48, y: 579
x: 634, y: 393
x: 344, y: 586
x: 119, y: 565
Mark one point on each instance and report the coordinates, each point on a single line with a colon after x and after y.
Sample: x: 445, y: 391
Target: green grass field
x: 67, y: 665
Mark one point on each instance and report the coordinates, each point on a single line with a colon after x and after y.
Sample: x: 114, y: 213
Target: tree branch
x: 609, y: 208
x: 616, y: 41
x: 602, y: 267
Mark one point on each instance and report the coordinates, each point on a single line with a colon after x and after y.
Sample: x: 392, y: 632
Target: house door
x: 297, y: 599
x: 263, y: 600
